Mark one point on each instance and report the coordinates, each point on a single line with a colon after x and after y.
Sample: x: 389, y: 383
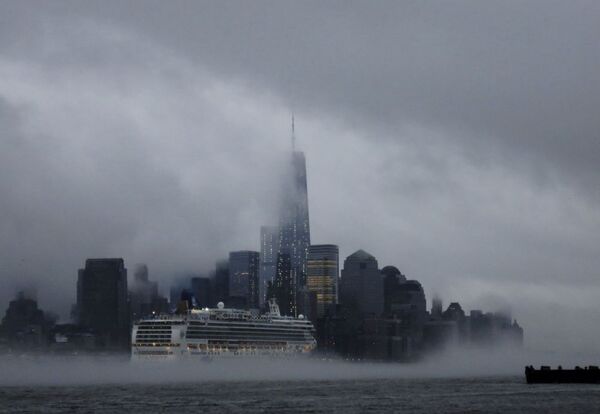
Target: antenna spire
x: 293, y: 134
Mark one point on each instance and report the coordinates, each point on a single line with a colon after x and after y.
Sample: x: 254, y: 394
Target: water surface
x: 415, y: 395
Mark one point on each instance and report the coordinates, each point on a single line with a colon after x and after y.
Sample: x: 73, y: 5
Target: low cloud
x: 458, y: 143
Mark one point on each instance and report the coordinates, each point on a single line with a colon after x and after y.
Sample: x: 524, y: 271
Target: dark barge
x: 546, y: 375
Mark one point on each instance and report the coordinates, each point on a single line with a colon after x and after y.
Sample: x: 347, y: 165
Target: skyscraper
x: 269, y: 247
x: 102, y: 300
x: 221, y: 283
x: 143, y: 295
x: 294, y: 227
x: 178, y: 284
x: 25, y: 325
x: 282, y: 288
x: 361, y: 284
x: 322, y: 270
x: 202, y: 291
x: 243, y: 278
x: 404, y: 300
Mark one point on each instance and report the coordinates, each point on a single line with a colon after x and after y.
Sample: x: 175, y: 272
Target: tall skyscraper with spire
x: 269, y: 248
x: 294, y: 231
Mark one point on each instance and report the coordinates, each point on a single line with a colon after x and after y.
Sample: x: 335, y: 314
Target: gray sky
x: 456, y: 140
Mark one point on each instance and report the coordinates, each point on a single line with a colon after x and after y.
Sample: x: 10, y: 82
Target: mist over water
x: 98, y: 370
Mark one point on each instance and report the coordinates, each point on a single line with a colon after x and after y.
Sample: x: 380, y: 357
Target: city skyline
x: 381, y: 314
x: 298, y: 160
x: 456, y: 142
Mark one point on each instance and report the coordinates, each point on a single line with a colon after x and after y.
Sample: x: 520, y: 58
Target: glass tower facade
x: 269, y: 247
x: 322, y: 270
x: 243, y: 278
x: 102, y: 299
x: 294, y: 227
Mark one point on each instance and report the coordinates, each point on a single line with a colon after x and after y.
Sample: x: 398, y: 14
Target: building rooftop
x: 361, y: 255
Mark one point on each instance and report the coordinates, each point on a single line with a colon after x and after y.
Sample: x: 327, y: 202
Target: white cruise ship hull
x: 218, y: 333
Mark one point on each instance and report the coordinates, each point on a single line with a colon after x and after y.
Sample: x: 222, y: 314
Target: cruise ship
x: 221, y: 332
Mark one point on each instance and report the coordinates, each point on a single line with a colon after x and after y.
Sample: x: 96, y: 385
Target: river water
x: 462, y: 382
x: 416, y: 395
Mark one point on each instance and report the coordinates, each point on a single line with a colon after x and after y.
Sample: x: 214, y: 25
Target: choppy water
x: 417, y: 395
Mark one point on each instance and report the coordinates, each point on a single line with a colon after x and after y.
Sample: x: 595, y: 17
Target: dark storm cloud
x: 108, y: 159
x: 457, y: 140
x: 516, y: 77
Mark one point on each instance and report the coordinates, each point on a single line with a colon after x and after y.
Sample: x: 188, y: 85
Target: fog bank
x: 82, y: 370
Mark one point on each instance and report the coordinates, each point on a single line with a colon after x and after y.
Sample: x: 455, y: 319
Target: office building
x: 322, y: 274
x: 282, y: 289
x: 361, y: 285
x: 294, y: 226
x: 269, y: 247
x: 202, y: 291
x: 243, y: 278
x: 143, y: 295
x: 404, y: 302
x: 221, y: 283
x: 24, y: 325
x: 102, y: 300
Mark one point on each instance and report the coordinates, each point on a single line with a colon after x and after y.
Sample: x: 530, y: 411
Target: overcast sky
x: 459, y: 141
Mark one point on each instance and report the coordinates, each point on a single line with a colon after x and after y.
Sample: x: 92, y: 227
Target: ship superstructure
x: 221, y: 332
